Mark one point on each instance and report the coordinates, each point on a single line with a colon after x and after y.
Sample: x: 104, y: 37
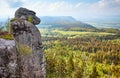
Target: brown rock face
x: 23, y: 57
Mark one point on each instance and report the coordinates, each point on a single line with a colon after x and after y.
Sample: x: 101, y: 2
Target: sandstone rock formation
x: 29, y: 59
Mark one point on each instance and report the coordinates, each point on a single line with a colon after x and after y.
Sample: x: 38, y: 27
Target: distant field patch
x: 116, y: 41
x: 81, y: 33
x: 42, y: 30
x: 58, y: 33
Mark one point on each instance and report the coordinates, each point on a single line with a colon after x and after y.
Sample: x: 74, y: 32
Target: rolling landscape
x: 78, y: 38
x: 76, y: 49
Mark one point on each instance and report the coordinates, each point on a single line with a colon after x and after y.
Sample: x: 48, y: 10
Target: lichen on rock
x: 6, y: 35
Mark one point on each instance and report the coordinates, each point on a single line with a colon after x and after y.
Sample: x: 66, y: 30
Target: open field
x: 57, y: 32
x: 81, y: 33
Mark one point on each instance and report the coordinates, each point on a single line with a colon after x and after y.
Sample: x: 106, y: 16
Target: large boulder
x: 28, y: 14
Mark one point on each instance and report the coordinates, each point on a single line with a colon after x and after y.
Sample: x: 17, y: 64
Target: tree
x: 1, y: 27
x: 7, y: 25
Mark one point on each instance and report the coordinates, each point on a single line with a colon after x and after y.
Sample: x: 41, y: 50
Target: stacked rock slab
x: 29, y: 45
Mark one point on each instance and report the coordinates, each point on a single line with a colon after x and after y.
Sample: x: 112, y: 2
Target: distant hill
x: 62, y: 22
x: 105, y: 22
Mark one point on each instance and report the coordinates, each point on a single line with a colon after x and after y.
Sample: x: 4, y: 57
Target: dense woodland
x: 72, y: 55
x: 93, y: 56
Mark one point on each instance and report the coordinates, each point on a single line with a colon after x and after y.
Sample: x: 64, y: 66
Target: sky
x: 84, y: 9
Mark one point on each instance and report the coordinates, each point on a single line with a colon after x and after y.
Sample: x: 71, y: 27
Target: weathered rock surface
x: 27, y: 13
x: 23, y: 57
x: 9, y: 66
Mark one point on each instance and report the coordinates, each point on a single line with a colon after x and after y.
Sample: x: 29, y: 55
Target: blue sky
x: 84, y: 9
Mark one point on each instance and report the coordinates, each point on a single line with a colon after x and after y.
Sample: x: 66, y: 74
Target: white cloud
x: 111, y: 7
x: 83, y: 10
x: 5, y: 10
x: 117, y: 1
x: 99, y: 9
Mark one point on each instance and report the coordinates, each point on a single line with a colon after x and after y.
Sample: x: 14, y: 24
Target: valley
x: 75, y: 52
x: 75, y: 49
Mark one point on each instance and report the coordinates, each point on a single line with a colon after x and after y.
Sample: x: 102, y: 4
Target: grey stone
x: 9, y: 65
x: 33, y: 65
x: 27, y: 13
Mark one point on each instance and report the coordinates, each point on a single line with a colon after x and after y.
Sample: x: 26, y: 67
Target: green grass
x: 25, y: 49
x: 116, y: 41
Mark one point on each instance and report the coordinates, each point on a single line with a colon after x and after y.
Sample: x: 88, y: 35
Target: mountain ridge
x: 62, y: 21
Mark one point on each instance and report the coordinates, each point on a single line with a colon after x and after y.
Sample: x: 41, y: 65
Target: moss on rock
x: 24, y: 49
x: 6, y: 35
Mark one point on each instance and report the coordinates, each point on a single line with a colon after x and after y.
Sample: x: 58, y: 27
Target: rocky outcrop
x: 27, y: 13
x: 9, y: 61
x: 28, y: 55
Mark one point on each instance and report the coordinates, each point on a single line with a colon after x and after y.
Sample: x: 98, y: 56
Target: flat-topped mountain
x: 62, y: 22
